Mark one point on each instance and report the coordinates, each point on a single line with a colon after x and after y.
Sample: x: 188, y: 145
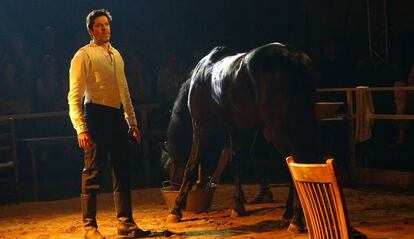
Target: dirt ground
x: 378, y: 214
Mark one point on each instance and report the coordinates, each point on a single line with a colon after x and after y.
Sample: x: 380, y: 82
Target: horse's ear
x: 164, y: 146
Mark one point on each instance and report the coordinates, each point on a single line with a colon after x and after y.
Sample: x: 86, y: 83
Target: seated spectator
x: 138, y: 80
x: 335, y: 70
x: 50, y: 93
x: 169, y: 81
x: 404, y: 104
x: 14, y: 94
x: 364, y: 70
x: 49, y: 42
x: 18, y: 50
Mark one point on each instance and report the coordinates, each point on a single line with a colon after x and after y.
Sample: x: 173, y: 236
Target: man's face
x: 101, y: 30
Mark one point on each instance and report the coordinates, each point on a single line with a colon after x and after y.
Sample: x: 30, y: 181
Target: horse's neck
x: 179, y: 133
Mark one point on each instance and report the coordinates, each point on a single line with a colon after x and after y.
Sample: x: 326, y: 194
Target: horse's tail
x: 276, y: 58
x: 285, y: 91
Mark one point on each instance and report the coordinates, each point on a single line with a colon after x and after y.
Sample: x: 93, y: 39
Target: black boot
x: 126, y: 224
x: 88, y: 205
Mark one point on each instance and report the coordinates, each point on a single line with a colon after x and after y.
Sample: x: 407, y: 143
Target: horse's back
x: 232, y: 88
x: 211, y: 99
x: 273, y: 56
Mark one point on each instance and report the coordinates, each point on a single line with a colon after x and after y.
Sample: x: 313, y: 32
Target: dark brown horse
x: 269, y: 87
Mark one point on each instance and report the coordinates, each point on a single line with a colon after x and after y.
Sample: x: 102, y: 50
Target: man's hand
x: 134, y: 133
x: 85, y: 140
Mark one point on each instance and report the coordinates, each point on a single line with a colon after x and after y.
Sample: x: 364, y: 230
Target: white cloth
x: 98, y: 74
x: 364, y: 109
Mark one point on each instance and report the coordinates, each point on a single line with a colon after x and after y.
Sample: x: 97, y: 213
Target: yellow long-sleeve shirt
x: 98, y: 75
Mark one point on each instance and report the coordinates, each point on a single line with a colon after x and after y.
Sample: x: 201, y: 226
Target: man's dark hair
x: 97, y: 13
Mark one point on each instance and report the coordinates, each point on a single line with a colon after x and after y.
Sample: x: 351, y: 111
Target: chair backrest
x: 322, y: 199
x: 8, y: 157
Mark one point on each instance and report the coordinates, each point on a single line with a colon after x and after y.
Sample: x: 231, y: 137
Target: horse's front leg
x: 188, y: 180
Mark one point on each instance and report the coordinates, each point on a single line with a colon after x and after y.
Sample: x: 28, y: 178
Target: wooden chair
x: 322, y: 199
x: 9, y: 173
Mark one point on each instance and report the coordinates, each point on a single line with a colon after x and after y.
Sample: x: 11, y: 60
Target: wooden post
x: 351, y: 131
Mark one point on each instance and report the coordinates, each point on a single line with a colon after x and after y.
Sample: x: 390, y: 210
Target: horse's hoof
x: 173, y: 218
x: 263, y: 197
x: 357, y: 234
x: 284, y: 223
x: 237, y: 213
x: 296, y: 229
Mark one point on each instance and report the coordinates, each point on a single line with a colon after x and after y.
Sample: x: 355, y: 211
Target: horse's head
x: 169, y: 163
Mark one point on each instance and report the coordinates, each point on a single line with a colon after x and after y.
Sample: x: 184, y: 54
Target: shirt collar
x: 110, y: 49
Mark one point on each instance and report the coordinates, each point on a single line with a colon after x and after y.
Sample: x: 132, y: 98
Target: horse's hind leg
x: 188, y: 178
x: 260, y: 150
x: 288, y: 214
x: 293, y: 217
x: 238, y: 208
x: 297, y: 223
x: 240, y: 142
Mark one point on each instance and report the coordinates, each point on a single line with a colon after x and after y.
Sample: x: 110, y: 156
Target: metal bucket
x: 198, y: 200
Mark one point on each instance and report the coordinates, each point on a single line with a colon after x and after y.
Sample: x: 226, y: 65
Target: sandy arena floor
x: 378, y: 214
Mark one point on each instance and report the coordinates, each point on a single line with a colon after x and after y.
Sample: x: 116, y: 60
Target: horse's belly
x: 246, y: 118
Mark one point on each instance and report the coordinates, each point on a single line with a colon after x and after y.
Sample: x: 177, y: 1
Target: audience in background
x: 158, y: 50
x: 51, y: 88
x: 34, y: 77
x: 48, y: 42
x: 169, y: 80
x: 139, y: 81
x: 22, y: 55
x: 14, y: 93
x: 335, y: 68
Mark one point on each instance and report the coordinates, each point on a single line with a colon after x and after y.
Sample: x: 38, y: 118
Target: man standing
x: 97, y: 75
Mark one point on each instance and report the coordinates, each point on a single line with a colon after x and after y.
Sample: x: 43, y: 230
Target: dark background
x: 186, y: 26
x: 239, y: 24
